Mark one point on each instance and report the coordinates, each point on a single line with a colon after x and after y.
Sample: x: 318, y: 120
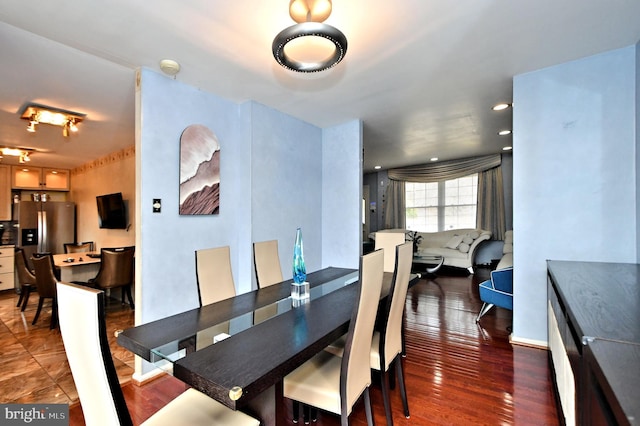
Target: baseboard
x: 521, y: 341
x: 143, y: 379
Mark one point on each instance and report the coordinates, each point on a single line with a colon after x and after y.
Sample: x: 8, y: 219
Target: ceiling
x: 421, y: 74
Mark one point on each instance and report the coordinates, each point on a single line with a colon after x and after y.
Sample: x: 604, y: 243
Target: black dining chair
x: 46, y: 282
x: 26, y: 278
x: 116, y: 271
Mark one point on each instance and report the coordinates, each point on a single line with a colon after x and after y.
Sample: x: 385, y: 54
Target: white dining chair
x: 388, y: 242
x: 83, y: 329
x: 213, y: 275
x: 335, y: 383
x: 386, y: 345
x: 267, y: 263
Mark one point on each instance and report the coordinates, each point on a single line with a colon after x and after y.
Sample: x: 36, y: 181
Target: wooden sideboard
x: 594, y: 340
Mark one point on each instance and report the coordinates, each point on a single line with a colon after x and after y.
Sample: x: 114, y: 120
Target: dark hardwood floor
x: 457, y: 372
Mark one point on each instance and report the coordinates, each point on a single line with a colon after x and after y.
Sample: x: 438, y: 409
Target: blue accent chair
x: 498, y: 291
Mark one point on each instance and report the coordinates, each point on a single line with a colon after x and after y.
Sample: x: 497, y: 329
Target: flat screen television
x: 111, y: 211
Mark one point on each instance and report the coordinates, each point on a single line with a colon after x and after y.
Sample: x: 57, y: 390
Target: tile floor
x: 33, y: 363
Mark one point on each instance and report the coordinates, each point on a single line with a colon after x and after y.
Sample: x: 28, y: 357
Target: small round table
x: 430, y: 263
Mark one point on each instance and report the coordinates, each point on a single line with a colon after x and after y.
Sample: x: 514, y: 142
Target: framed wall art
x: 199, y: 171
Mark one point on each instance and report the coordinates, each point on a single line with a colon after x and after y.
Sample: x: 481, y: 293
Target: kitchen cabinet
x: 39, y: 178
x: 5, y: 193
x: 6, y: 267
x: 594, y: 340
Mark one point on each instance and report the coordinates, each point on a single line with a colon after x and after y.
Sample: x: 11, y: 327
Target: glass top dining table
x: 238, y: 350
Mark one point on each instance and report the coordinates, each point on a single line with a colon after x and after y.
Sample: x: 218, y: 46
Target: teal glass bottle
x: 299, y: 269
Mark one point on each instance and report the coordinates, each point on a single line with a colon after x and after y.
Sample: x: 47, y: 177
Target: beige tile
x: 33, y: 363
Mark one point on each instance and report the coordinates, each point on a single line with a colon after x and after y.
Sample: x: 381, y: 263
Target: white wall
x: 574, y: 169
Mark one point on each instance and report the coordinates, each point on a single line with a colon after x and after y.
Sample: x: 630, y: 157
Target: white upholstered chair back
x: 392, y: 338
x: 214, y: 276
x: 81, y: 316
x: 388, y: 242
x: 83, y: 328
x: 267, y: 263
x: 355, y: 362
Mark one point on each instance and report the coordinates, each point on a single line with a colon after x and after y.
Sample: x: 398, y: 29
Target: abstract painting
x: 199, y: 171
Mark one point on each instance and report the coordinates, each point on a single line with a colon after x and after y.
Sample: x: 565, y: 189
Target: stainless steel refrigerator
x: 45, y: 226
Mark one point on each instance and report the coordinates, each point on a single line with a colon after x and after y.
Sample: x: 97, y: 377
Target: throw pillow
x: 474, y: 234
x: 464, y: 248
x: 454, y: 242
x: 467, y: 240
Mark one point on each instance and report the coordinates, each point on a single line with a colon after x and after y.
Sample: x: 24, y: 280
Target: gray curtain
x: 445, y: 170
x: 490, y: 208
x: 395, y: 206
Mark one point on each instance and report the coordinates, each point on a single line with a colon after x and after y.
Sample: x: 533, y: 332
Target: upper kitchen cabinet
x: 36, y: 178
x: 5, y: 193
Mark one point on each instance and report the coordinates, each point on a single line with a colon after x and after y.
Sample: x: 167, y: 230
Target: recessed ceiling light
x: 377, y: 167
x: 504, y: 132
x: 500, y: 107
x: 434, y: 159
x: 507, y: 148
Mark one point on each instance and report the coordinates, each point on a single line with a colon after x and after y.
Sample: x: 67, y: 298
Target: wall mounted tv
x: 111, y: 211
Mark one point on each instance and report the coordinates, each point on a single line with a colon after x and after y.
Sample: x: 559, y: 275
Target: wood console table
x: 594, y: 340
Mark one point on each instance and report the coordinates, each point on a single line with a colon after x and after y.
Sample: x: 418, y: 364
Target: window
x: 438, y: 206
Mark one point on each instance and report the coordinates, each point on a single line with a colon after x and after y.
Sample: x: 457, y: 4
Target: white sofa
x: 457, y: 246
x: 507, y: 251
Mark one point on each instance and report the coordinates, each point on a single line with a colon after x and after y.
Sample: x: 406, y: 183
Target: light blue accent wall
x: 167, y: 240
x: 574, y: 174
x: 272, y: 181
x: 637, y: 152
x: 342, y: 195
x: 286, y: 180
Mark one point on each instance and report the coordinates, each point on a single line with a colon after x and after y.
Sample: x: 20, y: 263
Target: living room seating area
x: 457, y: 246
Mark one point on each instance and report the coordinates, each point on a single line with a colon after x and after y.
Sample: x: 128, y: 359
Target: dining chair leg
x: 26, y: 292
x: 54, y: 314
x: 296, y: 412
x: 21, y: 297
x: 305, y: 413
x: 392, y: 375
x: 385, y: 397
x: 367, y: 407
x: 127, y: 289
x: 35, y: 318
x: 403, y: 389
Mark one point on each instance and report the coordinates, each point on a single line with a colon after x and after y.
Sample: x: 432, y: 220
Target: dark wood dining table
x: 270, y: 336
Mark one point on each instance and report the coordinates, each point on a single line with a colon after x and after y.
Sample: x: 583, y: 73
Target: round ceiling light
x: 169, y: 67
x: 309, y: 29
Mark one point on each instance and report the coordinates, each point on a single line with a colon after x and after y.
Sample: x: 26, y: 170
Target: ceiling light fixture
x: 507, y: 148
x: 310, y: 45
x: 433, y: 159
x: 23, y: 154
x: 42, y: 114
x: 500, y: 107
x: 169, y: 67
x: 504, y: 132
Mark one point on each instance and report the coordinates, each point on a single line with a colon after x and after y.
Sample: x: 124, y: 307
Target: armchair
x: 498, y: 291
